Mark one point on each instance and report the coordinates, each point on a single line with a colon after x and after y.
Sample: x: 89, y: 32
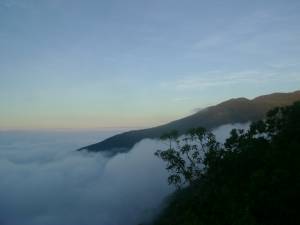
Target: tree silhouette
x: 253, y: 179
x: 185, y: 155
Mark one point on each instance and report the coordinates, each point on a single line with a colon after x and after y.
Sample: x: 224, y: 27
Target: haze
x: 44, y: 181
x: 95, y: 64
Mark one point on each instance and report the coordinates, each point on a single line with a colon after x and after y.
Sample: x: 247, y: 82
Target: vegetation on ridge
x: 253, y: 179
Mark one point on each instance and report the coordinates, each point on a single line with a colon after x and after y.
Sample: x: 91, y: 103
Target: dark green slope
x: 254, y: 179
x: 239, y: 110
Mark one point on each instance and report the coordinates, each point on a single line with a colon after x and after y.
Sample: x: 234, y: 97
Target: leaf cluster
x: 185, y: 154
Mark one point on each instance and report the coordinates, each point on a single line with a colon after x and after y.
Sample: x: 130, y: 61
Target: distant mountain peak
x: 235, y: 110
x: 234, y: 101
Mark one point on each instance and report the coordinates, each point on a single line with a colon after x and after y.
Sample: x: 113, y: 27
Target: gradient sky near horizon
x: 96, y: 64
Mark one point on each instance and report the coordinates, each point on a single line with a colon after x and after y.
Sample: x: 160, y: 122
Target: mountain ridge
x: 235, y: 110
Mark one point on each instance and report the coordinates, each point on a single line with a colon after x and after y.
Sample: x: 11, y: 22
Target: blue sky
x: 95, y: 64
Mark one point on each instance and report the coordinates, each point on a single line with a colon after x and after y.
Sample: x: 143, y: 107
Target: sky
x: 103, y: 64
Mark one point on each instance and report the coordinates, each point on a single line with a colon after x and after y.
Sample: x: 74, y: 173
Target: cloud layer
x: 53, y: 186
x: 43, y: 181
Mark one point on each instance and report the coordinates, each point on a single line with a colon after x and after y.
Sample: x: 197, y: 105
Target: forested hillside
x: 253, y: 179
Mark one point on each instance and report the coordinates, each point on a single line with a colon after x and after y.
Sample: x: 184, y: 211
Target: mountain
x: 236, y: 110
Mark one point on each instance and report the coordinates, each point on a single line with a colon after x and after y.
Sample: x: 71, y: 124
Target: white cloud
x: 42, y: 185
x: 285, y: 65
x: 15, y: 3
x: 46, y: 183
x: 223, y: 78
x: 181, y: 99
x: 212, y: 79
x: 258, y: 28
x: 211, y: 41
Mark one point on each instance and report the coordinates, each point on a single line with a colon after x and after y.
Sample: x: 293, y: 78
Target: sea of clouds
x: 43, y: 181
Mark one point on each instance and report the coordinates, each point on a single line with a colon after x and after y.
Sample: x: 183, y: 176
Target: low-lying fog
x: 45, y: 182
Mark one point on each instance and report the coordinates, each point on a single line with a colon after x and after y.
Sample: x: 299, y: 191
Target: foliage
x: 185, y: 155
x: 254, y: 179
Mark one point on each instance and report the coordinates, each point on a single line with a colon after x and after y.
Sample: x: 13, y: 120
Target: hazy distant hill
x: 237, y: 110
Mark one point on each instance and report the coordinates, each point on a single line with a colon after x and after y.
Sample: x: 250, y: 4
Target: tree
x: 185, y: 155
x: 253, y: 179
